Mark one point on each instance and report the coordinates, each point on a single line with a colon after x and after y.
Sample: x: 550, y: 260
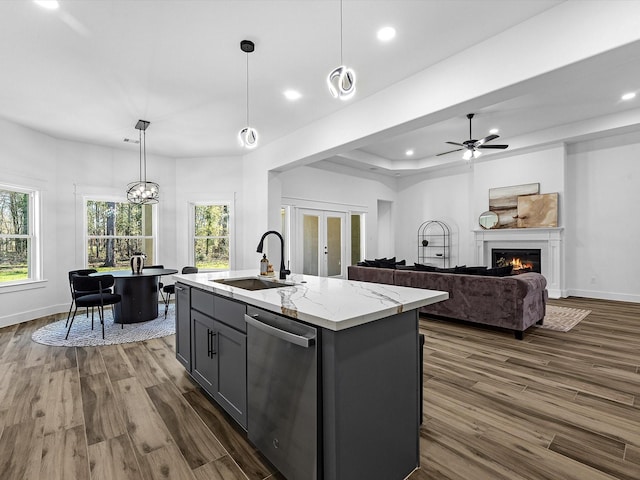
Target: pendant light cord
x: 341, y: 62
x: 140, y: 150
x: 247, y: 55
x: 144, y: 138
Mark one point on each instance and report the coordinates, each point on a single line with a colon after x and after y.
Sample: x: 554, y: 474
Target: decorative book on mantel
x: 523, y: 206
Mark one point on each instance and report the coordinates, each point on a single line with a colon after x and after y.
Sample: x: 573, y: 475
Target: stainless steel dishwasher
x: 282, y: 392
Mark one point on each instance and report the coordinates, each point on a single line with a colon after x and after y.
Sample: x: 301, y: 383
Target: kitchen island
x: 323, y: 374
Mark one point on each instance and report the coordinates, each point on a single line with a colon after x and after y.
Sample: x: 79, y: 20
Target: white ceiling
x: 89, y: 70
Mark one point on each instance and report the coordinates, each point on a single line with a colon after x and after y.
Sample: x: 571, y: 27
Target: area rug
x: 563, y: 319
x: 81, y: 334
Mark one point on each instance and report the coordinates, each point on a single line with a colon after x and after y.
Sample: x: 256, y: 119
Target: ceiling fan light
x: 467, y: 155
x: 476, y: 153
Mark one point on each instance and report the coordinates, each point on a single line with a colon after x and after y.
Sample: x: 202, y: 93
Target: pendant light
x: 143, y: 192
x: 248, y: 136
x: 342, y: 80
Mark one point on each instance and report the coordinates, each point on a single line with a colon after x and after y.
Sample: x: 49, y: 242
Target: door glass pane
x: 356, y: 254
x: 310, y: 245
x: 334, y: 246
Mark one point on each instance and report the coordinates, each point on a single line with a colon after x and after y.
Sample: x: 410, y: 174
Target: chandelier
x: 143, y: 192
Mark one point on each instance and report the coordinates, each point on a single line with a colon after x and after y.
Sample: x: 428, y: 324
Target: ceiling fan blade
x: 500, y: 147
x: 450, y: 151
x: 454, y: 143
x: 484, y: 140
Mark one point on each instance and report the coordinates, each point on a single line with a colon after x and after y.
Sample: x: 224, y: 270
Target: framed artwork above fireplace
x: 522, y: 206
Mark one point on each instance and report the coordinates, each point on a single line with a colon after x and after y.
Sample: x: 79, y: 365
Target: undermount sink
x: 252, y: 283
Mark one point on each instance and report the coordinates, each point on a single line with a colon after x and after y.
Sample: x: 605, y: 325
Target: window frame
x: 34, y: 254
x: 193, y: 237
x: 115, y: 199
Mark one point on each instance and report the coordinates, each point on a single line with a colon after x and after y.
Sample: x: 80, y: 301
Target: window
x: 211, y: 236
x: 19, y: 244
x: 116, y: 231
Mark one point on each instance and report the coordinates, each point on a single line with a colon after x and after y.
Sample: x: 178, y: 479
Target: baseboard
x: 620, y: 297
x: 29, y: 315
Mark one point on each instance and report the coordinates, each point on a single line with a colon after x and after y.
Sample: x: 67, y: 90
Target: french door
x: 321, y: 243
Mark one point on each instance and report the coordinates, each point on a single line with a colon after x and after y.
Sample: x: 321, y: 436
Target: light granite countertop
x: 330, y: 303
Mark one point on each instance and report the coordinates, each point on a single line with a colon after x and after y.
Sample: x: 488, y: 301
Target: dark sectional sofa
x: 515, y: 302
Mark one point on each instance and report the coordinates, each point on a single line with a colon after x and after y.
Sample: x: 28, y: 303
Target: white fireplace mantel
x: 550, y: 241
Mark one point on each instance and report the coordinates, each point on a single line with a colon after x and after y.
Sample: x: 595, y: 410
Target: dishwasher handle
x: 300, y: 340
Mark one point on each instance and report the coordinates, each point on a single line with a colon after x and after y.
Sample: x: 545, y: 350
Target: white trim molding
x: 550, y: 241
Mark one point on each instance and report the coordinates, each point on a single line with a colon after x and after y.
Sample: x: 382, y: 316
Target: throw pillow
x: 475, y: 270
x: 424, y: 268
x: 499, y: 271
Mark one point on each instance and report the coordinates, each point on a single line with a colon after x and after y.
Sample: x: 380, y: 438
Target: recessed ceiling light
x: 48, y: 4
x: 292, y: 95
x: 409, y: 152
x: 629, y: 96
x: 493, y: 131
x: 386, y: 33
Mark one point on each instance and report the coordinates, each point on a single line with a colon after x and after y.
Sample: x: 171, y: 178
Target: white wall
x: 443, y: 197
x: 207, y: 180
x: 602, y: 205
x: 306, y: 184
x: 63, y: 170
x: 459, y: 195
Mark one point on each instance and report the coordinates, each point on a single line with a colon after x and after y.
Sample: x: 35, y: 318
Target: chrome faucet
x: 283, y: 271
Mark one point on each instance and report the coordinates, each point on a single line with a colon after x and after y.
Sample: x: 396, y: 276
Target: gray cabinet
x: 183, y: 325
x: 204, y: 365
x: 219, y: 351
x: 229, y: 381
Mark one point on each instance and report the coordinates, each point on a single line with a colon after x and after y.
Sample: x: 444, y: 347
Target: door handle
x: 212, y: 347
x: 301, y: 340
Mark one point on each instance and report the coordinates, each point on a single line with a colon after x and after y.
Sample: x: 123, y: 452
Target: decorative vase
x: 137, y: 262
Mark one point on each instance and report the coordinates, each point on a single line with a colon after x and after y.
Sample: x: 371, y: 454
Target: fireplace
x: 522, y: 259
x: 550, y: 241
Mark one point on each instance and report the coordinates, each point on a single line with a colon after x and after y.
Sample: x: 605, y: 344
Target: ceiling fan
x: 472, y: 147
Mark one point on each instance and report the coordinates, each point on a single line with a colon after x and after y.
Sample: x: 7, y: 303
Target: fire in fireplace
x: 522, y: 259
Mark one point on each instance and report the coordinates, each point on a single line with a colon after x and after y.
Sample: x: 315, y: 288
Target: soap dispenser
x: 264, y: 264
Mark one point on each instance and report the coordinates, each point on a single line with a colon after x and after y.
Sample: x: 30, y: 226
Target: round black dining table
x: 139, y: 292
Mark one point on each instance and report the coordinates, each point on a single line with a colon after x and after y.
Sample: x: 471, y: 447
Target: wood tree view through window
x: 15, y: 236
x: 211, y: 237
x: 116, y: 231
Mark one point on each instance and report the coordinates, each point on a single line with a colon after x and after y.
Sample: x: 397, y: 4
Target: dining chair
x: 160, y: 284
x: 82, y: 272
x: 171, y: 289
x: 97, y: 294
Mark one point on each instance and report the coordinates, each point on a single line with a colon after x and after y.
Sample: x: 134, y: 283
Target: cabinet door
x: 183, y: 325
x: 203, y: 354
x: 230, y: 383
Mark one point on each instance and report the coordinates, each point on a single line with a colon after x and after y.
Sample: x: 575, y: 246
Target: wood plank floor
x: 553, y: 406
